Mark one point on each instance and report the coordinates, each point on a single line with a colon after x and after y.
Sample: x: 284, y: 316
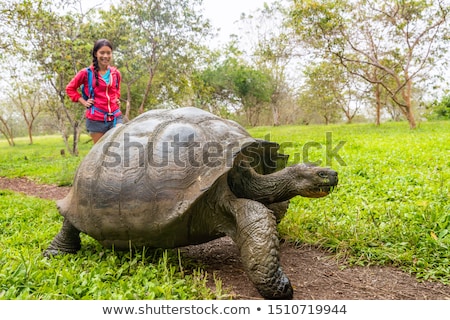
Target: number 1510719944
x: 307, y: 309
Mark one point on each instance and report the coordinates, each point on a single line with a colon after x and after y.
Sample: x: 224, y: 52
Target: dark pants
x: 101, y: 126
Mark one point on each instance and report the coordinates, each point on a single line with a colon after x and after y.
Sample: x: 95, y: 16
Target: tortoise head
x: 312, y: 181
x: 306, y: 180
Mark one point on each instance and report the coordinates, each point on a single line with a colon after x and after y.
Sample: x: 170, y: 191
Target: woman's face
x: 104, y: 56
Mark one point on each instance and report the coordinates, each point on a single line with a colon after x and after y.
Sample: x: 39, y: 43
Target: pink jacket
x: 105, y: 96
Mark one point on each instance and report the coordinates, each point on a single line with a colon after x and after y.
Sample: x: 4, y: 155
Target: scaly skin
x: 300, y: 179
x: 66, y: 241
x: 257, y: 238
x: 252, y: 226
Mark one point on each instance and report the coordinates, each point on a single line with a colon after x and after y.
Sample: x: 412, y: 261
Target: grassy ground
x: 392, y: 204
x: 29, y: 224
x: 391, y: 207
x: 42, y: 161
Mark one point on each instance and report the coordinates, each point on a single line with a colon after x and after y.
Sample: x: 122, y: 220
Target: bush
x: 440, y: 110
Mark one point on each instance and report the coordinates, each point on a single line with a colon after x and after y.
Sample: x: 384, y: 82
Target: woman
x: 100, y: 91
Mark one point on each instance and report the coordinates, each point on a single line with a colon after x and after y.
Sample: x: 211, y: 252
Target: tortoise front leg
x: 66, y: 241
x: 257, y: 239
x: 279, y: 209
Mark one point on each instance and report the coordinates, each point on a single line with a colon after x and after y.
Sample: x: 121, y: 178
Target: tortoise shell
x: 137, y: 184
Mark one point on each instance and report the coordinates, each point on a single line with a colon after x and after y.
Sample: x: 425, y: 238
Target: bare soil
x: 314, y: 273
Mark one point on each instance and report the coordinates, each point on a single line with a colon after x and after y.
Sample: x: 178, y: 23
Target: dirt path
x: 314, y: 274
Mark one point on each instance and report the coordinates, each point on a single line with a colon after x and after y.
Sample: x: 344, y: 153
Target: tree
x: 235, y: 84
x: 28, y: 99
x: 353, y: 100
x: 6, y: 125
x: 116, y: 27
x: 214, y: 89
x: 322, y: 93
x: 402, y: 40
x: 440, y: 109
x: 157, y: 48
x: 52, y: 41
x: 329, y: 89
x: 164, y: 40
x: 254, y: 88
x: 272, y: 50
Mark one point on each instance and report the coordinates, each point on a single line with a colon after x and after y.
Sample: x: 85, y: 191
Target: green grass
x: 28, y: 225
x: 392, y: 203
x: 391, y: 208
x: 42, y: 161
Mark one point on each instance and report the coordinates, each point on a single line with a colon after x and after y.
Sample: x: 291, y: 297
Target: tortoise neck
x: 267, y: 189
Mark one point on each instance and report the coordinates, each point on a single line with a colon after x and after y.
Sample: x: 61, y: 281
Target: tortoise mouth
x: 318, y: 192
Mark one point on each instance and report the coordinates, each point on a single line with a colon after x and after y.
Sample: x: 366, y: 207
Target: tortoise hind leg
x: 66, y: 241
x: 257, y: 239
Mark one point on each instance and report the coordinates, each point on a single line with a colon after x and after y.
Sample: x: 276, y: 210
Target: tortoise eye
x: 322, y: 174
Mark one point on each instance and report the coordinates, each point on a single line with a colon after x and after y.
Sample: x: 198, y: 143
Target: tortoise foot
x: 277, y: 288
x: 51, y: 251
x: 66, y: 241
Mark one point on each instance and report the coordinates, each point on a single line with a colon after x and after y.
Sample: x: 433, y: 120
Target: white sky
x: 222, y: 13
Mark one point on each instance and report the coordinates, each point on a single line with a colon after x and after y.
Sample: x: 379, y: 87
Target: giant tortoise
x: 172, y: 178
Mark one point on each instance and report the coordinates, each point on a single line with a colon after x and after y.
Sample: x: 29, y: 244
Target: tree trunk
x: 276, y: 115
x: 411, y: 119
x: 128, y: 104
x: 62, y: 129
x: 73, y: 123
x: 408, y: 108
x: 76, y: 138
x: 348, y: 113
x: 377, y: 105
x: 147, y: 91
x: 30, y: 134
x: 275, y: 108
x: 7, y: 132
x: 10, y: 140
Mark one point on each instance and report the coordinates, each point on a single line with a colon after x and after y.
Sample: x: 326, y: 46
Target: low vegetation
x: 392, y: 203
x: 28, y: 224
x: 391, y: 208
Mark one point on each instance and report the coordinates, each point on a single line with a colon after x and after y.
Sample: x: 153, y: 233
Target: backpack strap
x: 117, y: 77
x: 90, y: 87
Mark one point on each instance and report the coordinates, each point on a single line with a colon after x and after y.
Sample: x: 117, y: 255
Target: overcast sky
x: 221, y: 13
x: 224, y: 14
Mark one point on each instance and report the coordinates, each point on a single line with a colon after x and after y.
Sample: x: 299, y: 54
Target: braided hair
x: 97, y: 45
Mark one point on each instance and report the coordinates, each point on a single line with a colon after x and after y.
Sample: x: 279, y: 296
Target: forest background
x: 292, y: 62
